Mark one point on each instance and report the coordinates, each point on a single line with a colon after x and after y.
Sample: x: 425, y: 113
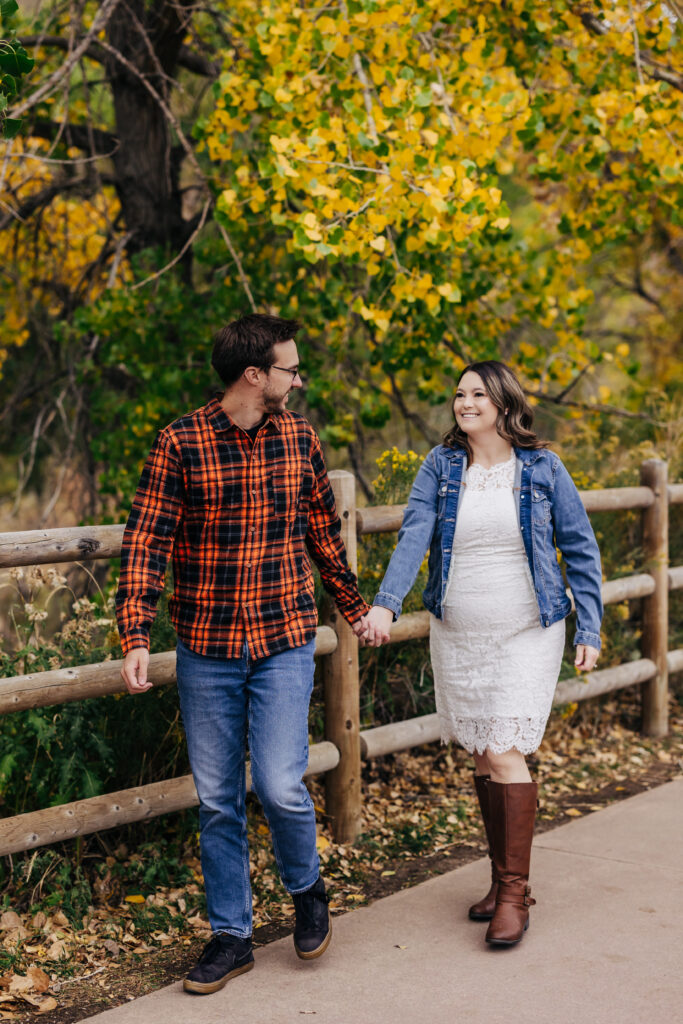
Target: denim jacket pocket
x: 441, y: 496
x: 540, y: 506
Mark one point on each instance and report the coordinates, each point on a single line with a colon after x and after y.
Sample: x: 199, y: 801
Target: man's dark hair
x: 249, y: 342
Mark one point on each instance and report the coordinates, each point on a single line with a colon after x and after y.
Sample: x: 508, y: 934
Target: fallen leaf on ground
x: 10, y: 919
x: 48, y: 1003
x: 40, y: 979
x: 20, y: 984
x: 57, y: 950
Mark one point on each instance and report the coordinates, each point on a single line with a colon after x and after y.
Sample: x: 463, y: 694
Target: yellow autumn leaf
x: 466, y: 189
x: 321, y: 843
x: 135, y: 898
x: 379, y: 243
x: 326, y: 25
x: 278, y: 144
x: 378, y: 74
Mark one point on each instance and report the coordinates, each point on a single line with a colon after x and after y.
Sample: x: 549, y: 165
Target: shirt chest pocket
x: 540, y: 505
x: 283, y: 493
x: 208, y: 495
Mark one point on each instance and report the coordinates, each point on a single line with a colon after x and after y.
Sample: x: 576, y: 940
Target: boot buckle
x: 528, y: 900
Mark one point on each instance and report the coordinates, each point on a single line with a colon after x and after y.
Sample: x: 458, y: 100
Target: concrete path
x: 605, y: 945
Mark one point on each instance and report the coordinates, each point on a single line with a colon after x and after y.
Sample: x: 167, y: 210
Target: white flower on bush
x: 83, y: 606
x: 55, y: 579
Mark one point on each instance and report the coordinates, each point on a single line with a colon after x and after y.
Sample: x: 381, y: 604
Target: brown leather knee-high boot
x: 483, y: 910
x: 512, y: 807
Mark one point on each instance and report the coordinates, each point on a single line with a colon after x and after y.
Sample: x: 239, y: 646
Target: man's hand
x: 586, y: 657
x: 374, y: 629
x: 134, y: 671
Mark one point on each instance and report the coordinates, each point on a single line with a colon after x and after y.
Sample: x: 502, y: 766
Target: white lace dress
x: 495, y: 666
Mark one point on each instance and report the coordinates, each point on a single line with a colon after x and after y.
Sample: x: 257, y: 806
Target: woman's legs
x: 512, y: 809
x: 507, y: 767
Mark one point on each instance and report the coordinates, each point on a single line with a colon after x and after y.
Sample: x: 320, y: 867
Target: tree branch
x: 39, y: 200
x: 654, y: 69
x: 609, y: 410
x: 100, y: 20
x: 187, y: 58
x: 79, y: 136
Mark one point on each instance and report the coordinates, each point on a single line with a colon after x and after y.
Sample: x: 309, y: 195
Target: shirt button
x: 521, y: 497
x: 248, y: 565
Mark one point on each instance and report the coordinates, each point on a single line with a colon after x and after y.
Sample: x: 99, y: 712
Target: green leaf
x: 10, y: 127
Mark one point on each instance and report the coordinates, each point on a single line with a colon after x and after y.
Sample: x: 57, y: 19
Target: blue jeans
x: 222, y: 700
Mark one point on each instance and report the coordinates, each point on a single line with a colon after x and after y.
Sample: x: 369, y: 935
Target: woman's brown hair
x: 506, y: 393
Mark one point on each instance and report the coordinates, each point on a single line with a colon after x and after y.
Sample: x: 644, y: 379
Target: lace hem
x: 495, y: 734
x: 500, y: 476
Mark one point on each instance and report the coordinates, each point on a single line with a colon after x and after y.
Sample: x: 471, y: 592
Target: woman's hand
x: 379, y: 621
x: 586, y: 657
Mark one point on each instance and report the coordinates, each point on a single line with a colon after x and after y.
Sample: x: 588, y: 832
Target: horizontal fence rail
x: 82, y: 817
x: 61, y: 685
x: 339, y: 756
x: 82, y: 543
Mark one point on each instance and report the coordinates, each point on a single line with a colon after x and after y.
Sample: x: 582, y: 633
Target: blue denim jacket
x: 549, y: 512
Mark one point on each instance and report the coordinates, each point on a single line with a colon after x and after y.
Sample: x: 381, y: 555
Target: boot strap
x: 521, y: 898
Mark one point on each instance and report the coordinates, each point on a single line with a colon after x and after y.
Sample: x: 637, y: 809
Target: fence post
x: 655, y: 642
x: 341, y: 688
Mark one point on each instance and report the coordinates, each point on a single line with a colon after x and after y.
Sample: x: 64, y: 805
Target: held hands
x: 134, y: 670
x: 374, y: 629
x: 586, y: 658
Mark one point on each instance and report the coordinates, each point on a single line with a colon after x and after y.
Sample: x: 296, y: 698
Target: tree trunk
x: 149, y: 36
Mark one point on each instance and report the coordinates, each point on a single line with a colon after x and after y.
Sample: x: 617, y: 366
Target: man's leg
x: 279, y: 695
x: 213, y: 701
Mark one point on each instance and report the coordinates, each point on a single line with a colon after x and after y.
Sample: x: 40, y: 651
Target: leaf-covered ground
x: 420, y: 819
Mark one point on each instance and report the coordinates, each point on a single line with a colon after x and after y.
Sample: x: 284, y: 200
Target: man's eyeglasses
x: 286, y: 369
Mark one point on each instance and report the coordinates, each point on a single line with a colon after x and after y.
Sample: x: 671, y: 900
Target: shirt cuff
x: 355, y: 611
x: 134, y: 638
x: 588, y: 639
x: 389, y: 601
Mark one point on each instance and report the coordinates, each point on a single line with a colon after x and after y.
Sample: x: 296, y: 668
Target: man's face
x: 281, y: 379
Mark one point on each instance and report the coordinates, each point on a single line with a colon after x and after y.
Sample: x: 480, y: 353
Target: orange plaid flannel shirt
x: 238, y: 517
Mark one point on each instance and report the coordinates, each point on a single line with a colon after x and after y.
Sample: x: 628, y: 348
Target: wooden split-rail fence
x: 346, y: 745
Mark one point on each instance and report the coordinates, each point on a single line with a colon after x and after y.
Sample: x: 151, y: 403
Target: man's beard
x: 275, y: 406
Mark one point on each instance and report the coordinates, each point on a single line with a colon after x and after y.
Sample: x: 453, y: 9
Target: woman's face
x: 475, y: 413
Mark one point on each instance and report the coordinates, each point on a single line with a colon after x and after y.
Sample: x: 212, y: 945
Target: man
x: 237, y: 491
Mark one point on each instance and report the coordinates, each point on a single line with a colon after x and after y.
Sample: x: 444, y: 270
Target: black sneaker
x: 313, y: 929
x: 223, y: 957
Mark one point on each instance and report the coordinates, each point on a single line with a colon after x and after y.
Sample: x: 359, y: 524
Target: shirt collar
x: 528, y: 455
x: 222, y: 422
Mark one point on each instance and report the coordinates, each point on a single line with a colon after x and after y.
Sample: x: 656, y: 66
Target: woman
x: 491, y: 504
